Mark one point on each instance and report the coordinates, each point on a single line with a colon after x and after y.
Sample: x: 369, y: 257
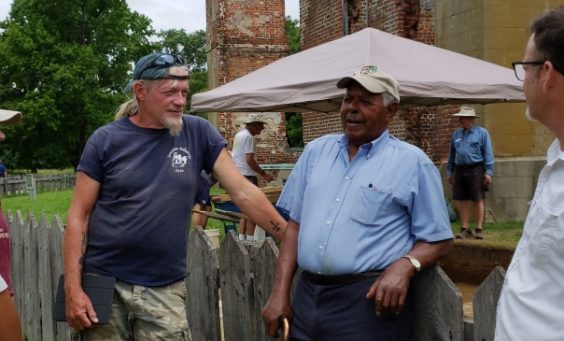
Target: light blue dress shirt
x: 474, y: 146
x: 364, y: 214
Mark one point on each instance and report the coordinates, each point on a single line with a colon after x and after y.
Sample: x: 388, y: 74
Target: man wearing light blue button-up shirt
x: 367, y: 213
x: 469, y: 170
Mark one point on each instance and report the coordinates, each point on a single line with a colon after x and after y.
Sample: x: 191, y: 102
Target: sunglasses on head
x: 168, y: 59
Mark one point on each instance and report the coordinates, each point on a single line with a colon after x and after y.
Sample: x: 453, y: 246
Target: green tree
x: 193, y: 47
x: 64, y: 65
x: 294, y: 129
x: 292, y: 29
x: 293, y: 120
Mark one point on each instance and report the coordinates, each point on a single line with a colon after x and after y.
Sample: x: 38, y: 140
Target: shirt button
x: 320, y: 247
x: 347, y: 178
x: 328, y: 222
x: 337, y: 200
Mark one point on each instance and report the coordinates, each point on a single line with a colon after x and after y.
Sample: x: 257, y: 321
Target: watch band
x: 414, y: 262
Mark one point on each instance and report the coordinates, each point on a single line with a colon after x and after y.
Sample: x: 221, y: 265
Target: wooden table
x: 272, y: 193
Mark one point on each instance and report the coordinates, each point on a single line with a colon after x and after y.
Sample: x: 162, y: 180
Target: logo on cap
x: 369, y: 70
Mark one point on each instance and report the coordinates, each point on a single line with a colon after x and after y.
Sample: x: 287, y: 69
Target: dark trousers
x: 342, y: 313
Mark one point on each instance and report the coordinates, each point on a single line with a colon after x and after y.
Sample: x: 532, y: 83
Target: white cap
x: 374, y: 80
x: 254, y: 118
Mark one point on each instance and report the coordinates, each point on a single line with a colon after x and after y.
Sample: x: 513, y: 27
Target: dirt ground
x: 472, y: 261
x: 468, y: 265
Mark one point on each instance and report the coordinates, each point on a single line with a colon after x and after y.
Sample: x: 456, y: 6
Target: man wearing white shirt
x: 244, y: 150
x: 531, y: 302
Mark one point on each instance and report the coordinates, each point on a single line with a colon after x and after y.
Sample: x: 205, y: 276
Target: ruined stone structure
x: 322, y: 21
x: 245, y: 35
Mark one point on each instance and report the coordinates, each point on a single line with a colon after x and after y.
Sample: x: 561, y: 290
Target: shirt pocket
x: 475, y: 147
x: 371, y: 204
x: 543, y: 236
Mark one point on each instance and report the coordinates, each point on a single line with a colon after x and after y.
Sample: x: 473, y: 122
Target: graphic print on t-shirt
x: 179, y: 159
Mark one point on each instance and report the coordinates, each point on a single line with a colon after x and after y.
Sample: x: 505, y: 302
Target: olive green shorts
x: 144, y: 313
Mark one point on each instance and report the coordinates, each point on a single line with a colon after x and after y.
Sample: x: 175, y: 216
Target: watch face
x: 416, y: 264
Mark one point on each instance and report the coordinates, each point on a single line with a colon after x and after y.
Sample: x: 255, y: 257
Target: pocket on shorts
x: 184, y: 335
x: 179, y: 288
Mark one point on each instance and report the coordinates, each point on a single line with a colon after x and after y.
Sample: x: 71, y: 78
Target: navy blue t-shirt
x: 138, y: 229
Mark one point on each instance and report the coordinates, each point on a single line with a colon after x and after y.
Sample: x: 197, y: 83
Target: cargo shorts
x: 144, y: 313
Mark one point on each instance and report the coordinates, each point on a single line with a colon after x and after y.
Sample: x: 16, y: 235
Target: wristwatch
x: 414, y: 261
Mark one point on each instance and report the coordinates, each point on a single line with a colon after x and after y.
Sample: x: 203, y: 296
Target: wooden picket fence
x: 227, y: 286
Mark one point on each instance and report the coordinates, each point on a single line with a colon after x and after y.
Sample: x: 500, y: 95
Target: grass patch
x: 57, y: 203
x: 48, y: 203
x: 497, y: 235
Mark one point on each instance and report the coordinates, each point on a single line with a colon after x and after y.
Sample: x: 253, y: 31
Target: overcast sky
x: 167, y: 14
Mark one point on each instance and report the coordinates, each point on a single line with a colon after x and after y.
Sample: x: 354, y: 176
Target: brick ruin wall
x: 244, y: 36
x: 430, y: 128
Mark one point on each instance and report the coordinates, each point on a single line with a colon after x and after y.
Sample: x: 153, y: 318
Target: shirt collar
x: 470, y: 130
x: 370, y: 147
x: 554, y: 153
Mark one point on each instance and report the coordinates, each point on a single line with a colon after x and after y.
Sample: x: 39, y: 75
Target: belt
x: 472, y: 165
x: 339, y: 279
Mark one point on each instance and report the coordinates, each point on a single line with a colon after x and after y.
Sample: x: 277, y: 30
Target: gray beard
x: 174, y: 127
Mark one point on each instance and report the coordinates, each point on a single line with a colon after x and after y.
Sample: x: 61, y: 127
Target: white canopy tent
x: 306, y: 81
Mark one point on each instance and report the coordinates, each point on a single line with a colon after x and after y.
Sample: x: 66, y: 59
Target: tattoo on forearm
x: 275, y: 226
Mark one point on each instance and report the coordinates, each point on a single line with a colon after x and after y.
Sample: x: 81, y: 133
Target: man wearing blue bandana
x: 367, y: 212
x: 129, y: 217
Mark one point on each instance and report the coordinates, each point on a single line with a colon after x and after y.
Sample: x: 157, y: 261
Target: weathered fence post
x: 32, y: 322
x: 263, y: 265
x: 16, y: 226
x: 236, y: 290
x: 56, y: 250
x: 202, y: 304
x: 45, y: 288
x: 484, y: 304
x: 438, y: 307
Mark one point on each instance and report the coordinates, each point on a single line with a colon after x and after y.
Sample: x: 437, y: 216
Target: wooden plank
x: 17, y: 231
x: 202, y: 304
x: 45, y: 289
x: 219, y: 216
x: 64, y: 332
x: 32, y: 315
x: 232, y: 214
x: 273, y: 192
x: 263, y: 263
x: 236, y: 290
x: 438, y: 307
x: 484, y: 304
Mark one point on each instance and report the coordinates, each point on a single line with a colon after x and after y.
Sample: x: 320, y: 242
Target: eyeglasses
x: 519, y: 68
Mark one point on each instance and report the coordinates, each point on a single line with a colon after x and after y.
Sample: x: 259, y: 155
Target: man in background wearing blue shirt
x: 469, y: 170
x: 367, y: 212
